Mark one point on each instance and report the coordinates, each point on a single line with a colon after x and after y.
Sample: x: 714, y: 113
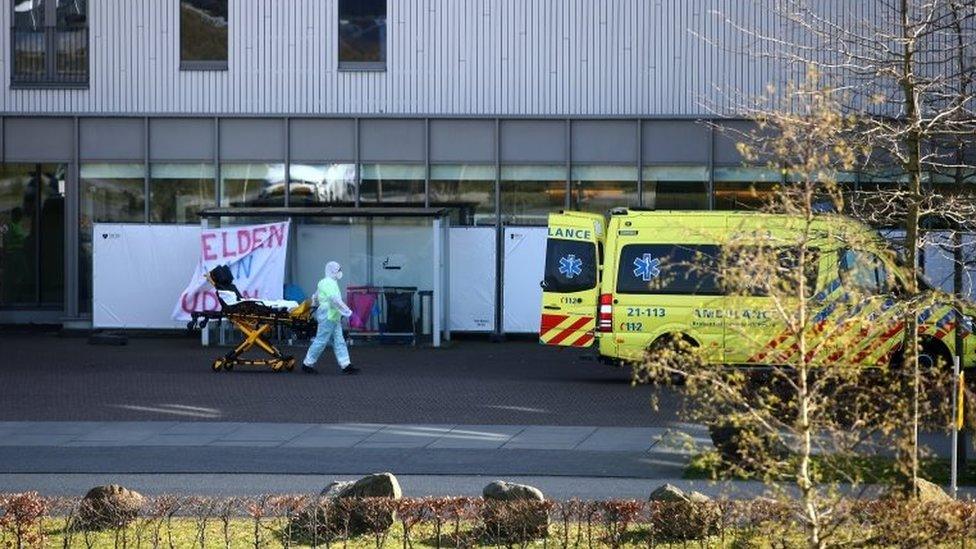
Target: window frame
x: 361, y: 66
x: 200, y: 64
x: 50, y: 33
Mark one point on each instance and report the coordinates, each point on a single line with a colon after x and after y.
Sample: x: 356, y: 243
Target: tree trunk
x: 913, y: 168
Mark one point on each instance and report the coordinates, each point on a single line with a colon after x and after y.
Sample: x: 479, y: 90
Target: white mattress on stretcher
x: 231, y: 299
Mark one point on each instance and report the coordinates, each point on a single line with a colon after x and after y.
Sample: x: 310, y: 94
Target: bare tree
x: 906, y: 70
x: 802, y: 420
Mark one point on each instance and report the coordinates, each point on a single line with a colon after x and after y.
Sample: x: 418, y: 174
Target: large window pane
x: 745, y: 188
x: 72, y: 39
x: 469, y: 190
x: 203, y: 34
x: 252, y: 185
x: 530, y: 193
x: 676, y: 187
x: 177, y: 192
x: 109, y: 193
x: 30, y: 52
x: 393, y: 183
x: 312, y: 184
x: 362, y: 33
x: 31, y: 234
x: 597, y: 189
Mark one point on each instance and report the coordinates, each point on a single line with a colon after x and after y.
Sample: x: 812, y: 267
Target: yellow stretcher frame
x: 254, y: 321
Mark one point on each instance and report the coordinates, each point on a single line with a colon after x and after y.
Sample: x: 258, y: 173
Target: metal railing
x: 49, y: 57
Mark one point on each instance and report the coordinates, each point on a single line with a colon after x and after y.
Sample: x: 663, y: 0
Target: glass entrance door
x: 32, y: 235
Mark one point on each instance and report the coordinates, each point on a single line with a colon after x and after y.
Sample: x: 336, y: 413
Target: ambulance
x: 625, y: 285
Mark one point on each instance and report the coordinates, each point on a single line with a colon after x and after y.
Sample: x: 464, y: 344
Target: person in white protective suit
x: 331, y: 310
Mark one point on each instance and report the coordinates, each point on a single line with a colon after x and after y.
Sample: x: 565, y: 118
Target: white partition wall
x: 139, y: 273
x: 472, y: 275
x: 525, y: 251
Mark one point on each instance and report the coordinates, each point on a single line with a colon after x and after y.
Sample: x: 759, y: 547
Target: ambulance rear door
x: 570, y: 289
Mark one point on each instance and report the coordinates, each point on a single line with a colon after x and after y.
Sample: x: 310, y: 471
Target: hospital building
x: 146, y: 112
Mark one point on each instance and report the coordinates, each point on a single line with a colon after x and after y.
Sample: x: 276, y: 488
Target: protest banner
x: 256, y: 257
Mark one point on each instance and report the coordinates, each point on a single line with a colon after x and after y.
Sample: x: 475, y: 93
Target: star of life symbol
x: 570, y: 266
x: 646, y: 267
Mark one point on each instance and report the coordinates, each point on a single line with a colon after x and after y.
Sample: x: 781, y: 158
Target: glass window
x: 109, y: 193
x: 469, y: 190
x: 570, y: 265
x: 31, y: 234
x: 675, y: 187
x: 312, y: 184
x: 597, y: 189
x: 668, y: 269
x: 244, y: 185
x: 177, y: 192
x: 745, y: 188
x: 50, y: 47
x: 393, y: 183
x: 362, y: 34
x: 529, y: 193
x: 863, y: 271
x: 203, y: 34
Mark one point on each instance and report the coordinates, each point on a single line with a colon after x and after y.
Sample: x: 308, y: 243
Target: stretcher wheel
x: 290, y: 363
x: 228, y: 365
x: 277, y: 365
x: 218, y: 364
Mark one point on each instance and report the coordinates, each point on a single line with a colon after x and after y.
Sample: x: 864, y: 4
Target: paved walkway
x: 346, y: 449
x: 347, y: 435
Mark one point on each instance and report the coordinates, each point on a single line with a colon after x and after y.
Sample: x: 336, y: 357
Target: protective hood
x: 333, y: 270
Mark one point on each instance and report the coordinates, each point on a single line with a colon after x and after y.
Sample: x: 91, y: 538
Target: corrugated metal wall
x: 445, y: 57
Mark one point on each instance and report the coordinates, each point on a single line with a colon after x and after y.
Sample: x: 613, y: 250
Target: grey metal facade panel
x: 112, y: 139
x: 392, y: 141
x: 181, y: 139
x: 445, y: 57
x: 527, y: 141
x: 675, y: 142
x: 456, y: 141
x: 252, y: 139
x: 317, y: 140
x: 38, y: 139
x: 604, y: 141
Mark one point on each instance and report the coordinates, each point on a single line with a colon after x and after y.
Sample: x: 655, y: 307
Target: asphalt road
x: 44, y: 377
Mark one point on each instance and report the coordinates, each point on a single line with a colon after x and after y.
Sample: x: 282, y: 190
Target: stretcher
x: 255, y: 319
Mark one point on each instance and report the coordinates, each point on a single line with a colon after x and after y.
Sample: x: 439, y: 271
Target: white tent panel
x: 139, y: 272
x: 472, y: 271
x: 525, y: 252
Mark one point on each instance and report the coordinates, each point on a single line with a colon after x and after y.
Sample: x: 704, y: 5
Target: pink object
x: 361, y: 304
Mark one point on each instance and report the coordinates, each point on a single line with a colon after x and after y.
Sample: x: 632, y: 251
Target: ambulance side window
x: 863, y: 271
x: 668, y: 269
x: 570, y: 265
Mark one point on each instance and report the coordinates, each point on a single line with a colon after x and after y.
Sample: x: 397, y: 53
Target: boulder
x: 514, y: 512
x: 668, y: 492
x: 509, y: 491
x: 680, y: 515
x: 929, y: 492
x: 109, y: 506
x: 350, y: 507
